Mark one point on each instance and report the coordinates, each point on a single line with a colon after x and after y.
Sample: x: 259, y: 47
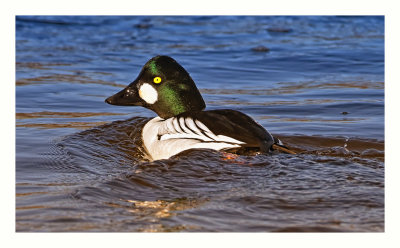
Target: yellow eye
x: 157, y: 80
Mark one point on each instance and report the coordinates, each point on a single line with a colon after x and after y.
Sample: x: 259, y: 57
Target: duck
x: 182, y: 123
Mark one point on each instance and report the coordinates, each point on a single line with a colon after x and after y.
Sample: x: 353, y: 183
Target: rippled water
x: 315, y: 82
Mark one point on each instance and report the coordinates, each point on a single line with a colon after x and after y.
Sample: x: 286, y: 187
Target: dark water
x: 315, y: 82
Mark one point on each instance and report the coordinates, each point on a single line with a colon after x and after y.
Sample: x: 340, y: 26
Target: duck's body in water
x: 166, y: 87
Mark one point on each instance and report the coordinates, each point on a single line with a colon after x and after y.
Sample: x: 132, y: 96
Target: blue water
x: 317, y: 82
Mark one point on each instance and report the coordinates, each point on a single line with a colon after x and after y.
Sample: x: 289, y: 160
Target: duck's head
x: 163, y: 86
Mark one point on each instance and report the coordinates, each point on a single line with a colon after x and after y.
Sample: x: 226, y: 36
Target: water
x: 315, y: 82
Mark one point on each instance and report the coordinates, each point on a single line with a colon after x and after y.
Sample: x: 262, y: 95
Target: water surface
x: 315, y: 82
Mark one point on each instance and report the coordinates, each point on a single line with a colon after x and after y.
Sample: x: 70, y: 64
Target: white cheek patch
x: 148, y: 93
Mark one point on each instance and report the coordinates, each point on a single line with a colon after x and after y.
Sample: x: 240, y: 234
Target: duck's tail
x: 278, y: 145
x: 282, y: 148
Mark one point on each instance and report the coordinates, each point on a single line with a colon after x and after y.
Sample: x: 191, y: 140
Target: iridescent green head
x: 163, y: 86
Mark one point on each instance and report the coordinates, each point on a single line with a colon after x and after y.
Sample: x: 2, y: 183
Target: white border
x: 172, y: 7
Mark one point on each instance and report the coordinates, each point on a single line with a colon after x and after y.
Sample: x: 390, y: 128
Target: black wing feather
x: 236, y: 125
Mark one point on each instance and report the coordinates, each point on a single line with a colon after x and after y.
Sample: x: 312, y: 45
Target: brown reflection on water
x: 274, y: 118
x: 36, y: 65
x: 30, y: 193
x: 72, y: 124
x: 30, y: 207
x: 49, y: 114
x: 65, y: 78
x: 54, y: 115
x: 278, y: 103
x: 331, y: 85
x: 292, y: 87
x: 43, y: 184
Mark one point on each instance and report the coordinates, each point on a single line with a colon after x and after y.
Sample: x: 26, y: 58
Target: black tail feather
x: 279, y: 146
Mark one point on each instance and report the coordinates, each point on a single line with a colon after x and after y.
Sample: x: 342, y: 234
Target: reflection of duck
x: 165, y: 87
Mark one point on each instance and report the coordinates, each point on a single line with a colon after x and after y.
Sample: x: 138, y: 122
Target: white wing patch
x: 165, y: 138
x: 186, y: 128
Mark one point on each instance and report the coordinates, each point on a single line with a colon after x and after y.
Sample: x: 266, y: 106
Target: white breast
x: 165, y: 138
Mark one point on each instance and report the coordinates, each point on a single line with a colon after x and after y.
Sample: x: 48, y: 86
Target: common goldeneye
x: 165, y: 87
